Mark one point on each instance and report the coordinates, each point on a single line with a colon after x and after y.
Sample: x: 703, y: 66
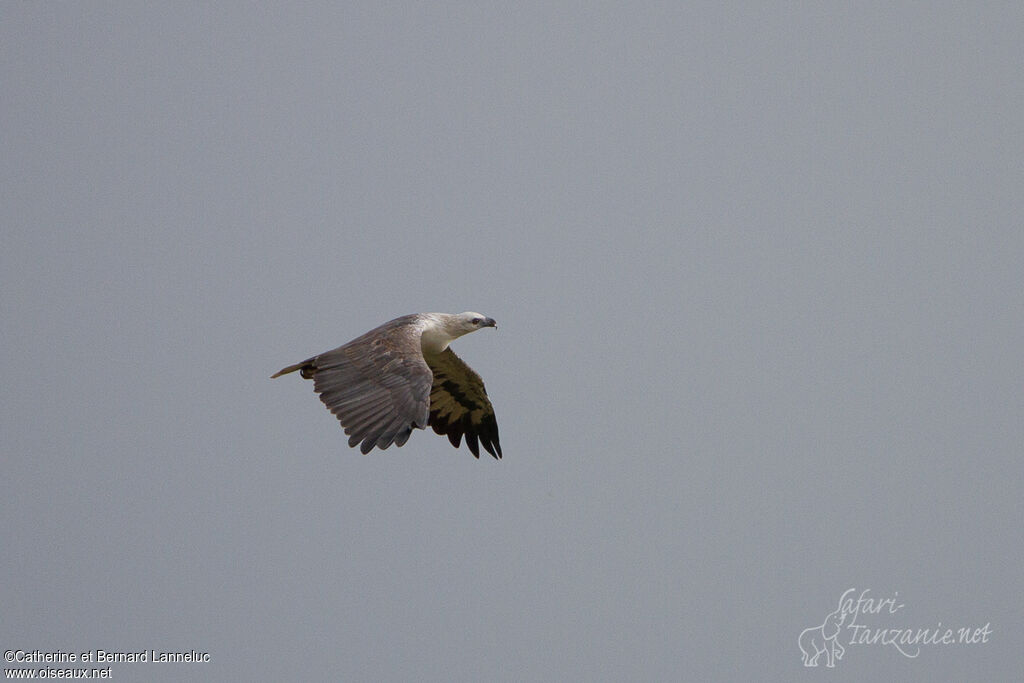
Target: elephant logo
x: 823, y: 639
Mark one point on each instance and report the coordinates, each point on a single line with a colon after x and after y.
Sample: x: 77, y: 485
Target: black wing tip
x: 494, y: 448
x: 475, y: 437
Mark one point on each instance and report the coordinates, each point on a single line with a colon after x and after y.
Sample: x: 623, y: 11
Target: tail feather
x: 292, y: 368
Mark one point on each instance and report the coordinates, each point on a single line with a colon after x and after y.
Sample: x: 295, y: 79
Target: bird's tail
x: 290, y: 368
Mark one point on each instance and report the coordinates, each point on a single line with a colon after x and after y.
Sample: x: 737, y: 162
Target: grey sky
x: 757, y: 277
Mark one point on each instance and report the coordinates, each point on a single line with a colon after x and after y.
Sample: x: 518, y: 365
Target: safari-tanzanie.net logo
x: 862, y: 620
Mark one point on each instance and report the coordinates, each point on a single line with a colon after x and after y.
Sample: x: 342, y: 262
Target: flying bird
x: 402, y: 376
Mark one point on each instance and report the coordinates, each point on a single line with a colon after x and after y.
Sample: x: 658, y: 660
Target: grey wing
x: 378, y: 386
x: 459, y: 405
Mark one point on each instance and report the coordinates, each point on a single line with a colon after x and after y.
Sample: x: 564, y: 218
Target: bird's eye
x: 476, y: 321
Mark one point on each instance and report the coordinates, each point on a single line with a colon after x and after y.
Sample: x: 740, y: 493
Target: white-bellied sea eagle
x: 402, y: 376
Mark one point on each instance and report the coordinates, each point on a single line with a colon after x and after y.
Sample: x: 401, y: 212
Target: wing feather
x: 377, y: 385
x: 459, y: 405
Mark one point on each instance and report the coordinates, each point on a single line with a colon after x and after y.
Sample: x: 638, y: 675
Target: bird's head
x: 471, y: 322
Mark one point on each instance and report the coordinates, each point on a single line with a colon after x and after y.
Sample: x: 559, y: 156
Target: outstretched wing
x: 377, y: 385
x: 459, y: 405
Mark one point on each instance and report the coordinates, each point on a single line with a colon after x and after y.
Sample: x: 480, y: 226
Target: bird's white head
x: 467, y: 322
x: 443, y: 328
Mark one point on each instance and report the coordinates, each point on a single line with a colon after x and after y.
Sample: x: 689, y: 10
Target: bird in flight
x: 402, y: 376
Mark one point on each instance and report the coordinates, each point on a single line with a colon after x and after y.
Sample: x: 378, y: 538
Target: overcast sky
x: 757, y: 275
